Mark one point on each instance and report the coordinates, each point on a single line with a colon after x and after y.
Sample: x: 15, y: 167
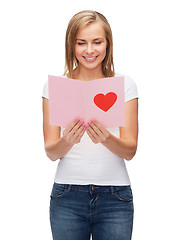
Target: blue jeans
x: 79, y: 211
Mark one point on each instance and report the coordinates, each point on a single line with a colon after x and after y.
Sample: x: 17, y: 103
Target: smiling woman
x: 91, y: 193
x: 90, y: 34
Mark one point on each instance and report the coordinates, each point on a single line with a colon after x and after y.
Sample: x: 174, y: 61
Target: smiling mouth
x: 90, y: 59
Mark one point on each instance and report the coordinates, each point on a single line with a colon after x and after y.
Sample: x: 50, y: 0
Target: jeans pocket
x: 124, y: 194
x: 58, y: 191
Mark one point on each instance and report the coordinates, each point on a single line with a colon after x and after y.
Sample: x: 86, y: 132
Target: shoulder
x: 130, y: 87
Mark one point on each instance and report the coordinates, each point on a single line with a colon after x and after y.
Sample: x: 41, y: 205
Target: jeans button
x: 93, y: 188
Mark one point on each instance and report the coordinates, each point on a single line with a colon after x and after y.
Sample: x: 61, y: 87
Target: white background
x: 147, y: 47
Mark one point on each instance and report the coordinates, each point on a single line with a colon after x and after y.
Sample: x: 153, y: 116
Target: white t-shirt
x: 90, y: 163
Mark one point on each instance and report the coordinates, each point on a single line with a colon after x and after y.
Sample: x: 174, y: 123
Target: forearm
x: 124, y: 148
x: 58, y: 149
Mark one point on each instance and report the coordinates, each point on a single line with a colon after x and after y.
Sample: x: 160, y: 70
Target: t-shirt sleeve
x: 45, y: 90
x: 130, y: 89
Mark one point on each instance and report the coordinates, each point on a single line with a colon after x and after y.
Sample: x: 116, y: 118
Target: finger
x: 72, y: 131
x: 80, y: 135
x: 71, y: 126
x: 98, y: 134
x: 76, y: 128
x: 72, y: 136
x: 77, y: 132
x: 95, y: 129
x: 102, y: 129
x: 93, y: 133
x: 69, y: 131
x: 91, y: 136
x: 99, y: 126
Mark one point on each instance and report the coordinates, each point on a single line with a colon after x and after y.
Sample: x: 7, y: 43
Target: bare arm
x: 56, y: 147
x: 126, y: 145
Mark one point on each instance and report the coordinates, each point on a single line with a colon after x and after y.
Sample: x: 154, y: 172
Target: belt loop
x: 112, y: 190
x: 90, y: 188
x: 69, y: 187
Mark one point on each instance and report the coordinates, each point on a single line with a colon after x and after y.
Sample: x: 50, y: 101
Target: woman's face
x: 90, y: 46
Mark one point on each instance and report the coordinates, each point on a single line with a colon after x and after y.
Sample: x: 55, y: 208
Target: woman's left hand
x: 97, y: 132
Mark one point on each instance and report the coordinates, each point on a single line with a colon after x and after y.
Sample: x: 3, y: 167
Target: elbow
x: 129, y: 157
x: 50, y: 154
x: 51, y: 157
x: 131, y: 154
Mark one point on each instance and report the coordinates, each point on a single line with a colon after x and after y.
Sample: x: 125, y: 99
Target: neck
x: 87, y: 74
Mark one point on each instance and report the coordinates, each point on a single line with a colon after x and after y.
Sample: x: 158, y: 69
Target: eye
x: 97, y: 43
x: 80, y: 43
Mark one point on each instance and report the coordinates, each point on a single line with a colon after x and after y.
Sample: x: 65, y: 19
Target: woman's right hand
x: 74, y: 132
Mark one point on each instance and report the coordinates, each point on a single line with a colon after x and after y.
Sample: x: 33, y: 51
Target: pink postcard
x: 101, y: 99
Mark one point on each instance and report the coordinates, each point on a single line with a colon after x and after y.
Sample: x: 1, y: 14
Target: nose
x: 89, y: 48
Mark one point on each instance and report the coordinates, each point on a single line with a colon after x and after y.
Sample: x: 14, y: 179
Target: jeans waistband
x: 92, y: 187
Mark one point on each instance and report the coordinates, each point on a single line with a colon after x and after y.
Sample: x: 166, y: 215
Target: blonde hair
x: 81, y: 20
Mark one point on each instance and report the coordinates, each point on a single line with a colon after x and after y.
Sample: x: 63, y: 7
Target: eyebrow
x: 93, y: 39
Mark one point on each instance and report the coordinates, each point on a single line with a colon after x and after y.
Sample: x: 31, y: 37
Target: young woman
x: 91, y: 194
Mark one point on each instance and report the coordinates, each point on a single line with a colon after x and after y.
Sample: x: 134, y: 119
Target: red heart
x: 105, y: 102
